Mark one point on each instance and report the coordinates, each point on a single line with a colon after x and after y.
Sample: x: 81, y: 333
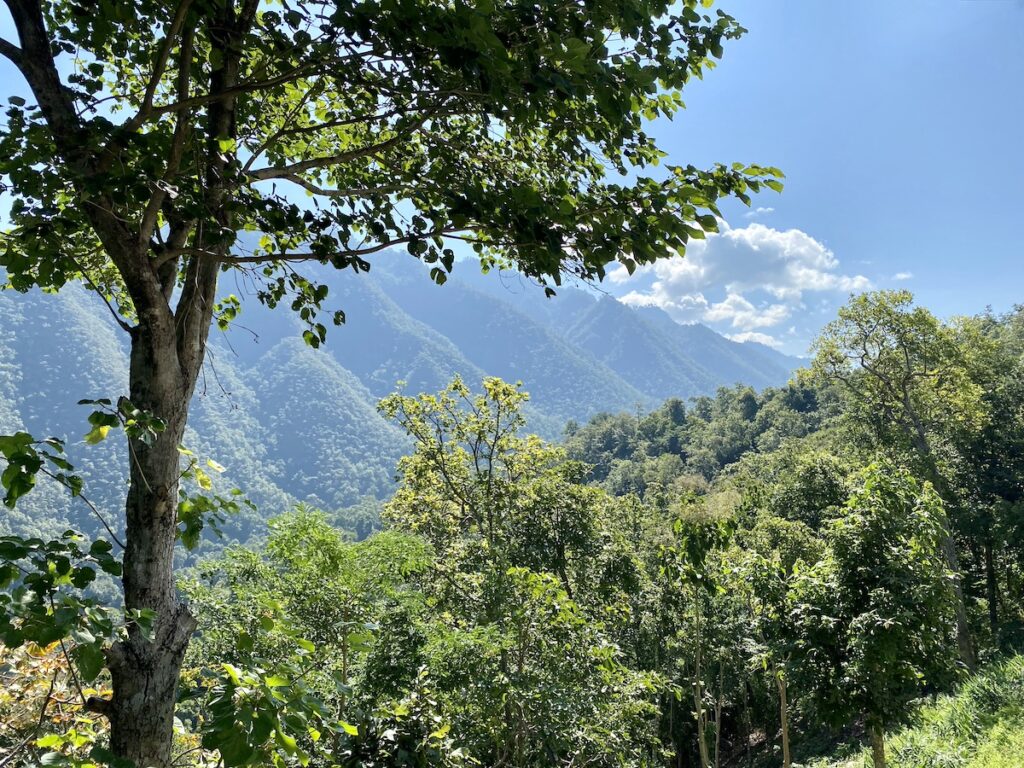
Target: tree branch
x: 57, y: 106
x: 95, y: 288
x: 92, y: 507
x: 181, y: 131
x: 261, y: 174
x: 161, y: 64
x: 37, y: 64
x: 349, y: 192
x: 11, y: 51
x: 299, y: 257
x: 232, y: 91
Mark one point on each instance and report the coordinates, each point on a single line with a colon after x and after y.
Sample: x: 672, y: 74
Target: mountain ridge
x: 294, y: 424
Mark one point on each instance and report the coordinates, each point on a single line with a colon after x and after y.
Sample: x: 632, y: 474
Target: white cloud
x: 759, y: 211
x: 760, y: 338
x: 900, y: 276
x: 780, y: 265
x: 740, y: 313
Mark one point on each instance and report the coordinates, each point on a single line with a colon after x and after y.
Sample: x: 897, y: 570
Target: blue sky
x: 900, y: 127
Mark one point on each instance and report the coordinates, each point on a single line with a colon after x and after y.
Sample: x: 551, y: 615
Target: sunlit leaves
x: 875, y: 616
x: 25, y: 458
x: 43, y: 600
x: 494, y: 123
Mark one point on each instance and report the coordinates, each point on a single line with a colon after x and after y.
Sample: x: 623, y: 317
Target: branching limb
x: 161, y: 64
x: 226, y: 94
x: 348, y: 192
x: 12, y: 52
x: 342, y: 157
x: 177, y: 151
x: 298, y: 257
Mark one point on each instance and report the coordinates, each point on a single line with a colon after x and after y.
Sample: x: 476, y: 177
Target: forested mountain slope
x: 294, y: 424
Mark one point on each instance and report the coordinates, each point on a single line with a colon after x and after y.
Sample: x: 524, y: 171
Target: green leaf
x: 350, y: 729
x: 90, y: 661
x: 97, y: 435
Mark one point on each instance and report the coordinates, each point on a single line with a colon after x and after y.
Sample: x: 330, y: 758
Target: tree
x: 988, y: 473
x: 776, y: 550
x: 909, y: 381
x: 527, y: 584
x: 294, y: 626
x: 705, y: 638
x: 873, y: 613
x: 166, y: 143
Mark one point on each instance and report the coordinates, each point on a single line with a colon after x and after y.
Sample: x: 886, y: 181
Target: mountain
x: 641, y: 353
x: 295, y: 424
x: 729, y: 361
x: 564, y: 381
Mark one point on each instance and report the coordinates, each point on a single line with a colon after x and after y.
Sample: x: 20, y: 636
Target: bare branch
x: 161, y: 64
x: 92, y: 507
x: 113, y: 312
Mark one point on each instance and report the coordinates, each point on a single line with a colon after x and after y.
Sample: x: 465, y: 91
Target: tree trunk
x: 144, y: 666
x: 964, y: 641
x: 991, y: 590
x: 718, y: 719
x: 698, y: 688
x: 877, y: 745
x: 780, y: 681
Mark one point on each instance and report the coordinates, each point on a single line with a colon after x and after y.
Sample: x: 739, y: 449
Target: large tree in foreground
x: 147, y: 136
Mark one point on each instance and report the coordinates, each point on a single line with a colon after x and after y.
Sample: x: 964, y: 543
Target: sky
x: 900, y: 128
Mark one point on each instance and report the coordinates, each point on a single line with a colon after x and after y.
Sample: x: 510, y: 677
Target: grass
x: 980, y: 726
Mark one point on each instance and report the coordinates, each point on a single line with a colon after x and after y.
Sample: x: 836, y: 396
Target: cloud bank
x: 764, y: 274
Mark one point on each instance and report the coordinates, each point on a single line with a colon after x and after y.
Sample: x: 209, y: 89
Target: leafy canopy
x: 328, y: 131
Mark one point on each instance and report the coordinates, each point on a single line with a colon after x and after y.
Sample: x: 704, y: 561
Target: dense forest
x: 754, y: 578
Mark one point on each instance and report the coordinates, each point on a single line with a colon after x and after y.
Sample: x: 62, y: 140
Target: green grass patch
x: 980, y: 726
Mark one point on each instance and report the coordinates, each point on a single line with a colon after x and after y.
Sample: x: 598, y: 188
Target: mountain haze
x: 295, y: 424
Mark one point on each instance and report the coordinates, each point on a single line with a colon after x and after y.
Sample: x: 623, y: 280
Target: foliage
x: 45, y: 604
x: 43, y: 718
x: 157, y: 148
x: 522, y: 651
x: 874, y: 615
x: 259, y: 379
x: 513, y: 611
x: 674, y: 446
x: 905, y: 373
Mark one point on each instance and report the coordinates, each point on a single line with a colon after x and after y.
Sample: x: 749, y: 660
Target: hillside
x: 295, y: 424
x: 979, y: 726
